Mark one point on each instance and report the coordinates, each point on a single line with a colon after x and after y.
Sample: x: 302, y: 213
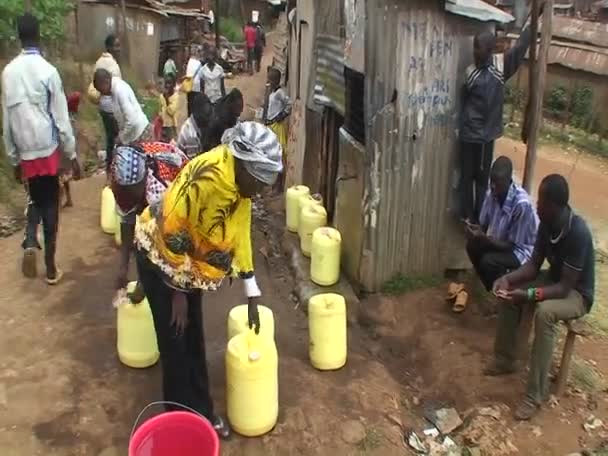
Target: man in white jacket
x: 133, y: 125
x: 36, y: 131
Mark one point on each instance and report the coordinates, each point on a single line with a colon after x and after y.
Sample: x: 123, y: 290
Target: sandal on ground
x: 461, y: 302
x: 55, y: 280
x: 28, y: 265
x: 221, y: 427
x: 526, y: 410
x: 453, y: 290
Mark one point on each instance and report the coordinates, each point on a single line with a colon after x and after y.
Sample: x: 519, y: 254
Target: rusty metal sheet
x: 479, y: 10
x: 416, y: 55
x: 579, y: 59
x: 580, y: 31
x: 329, y: 81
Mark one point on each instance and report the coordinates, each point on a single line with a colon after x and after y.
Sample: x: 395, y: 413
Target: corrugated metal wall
x: 329, y: 78
x: 416, y: 51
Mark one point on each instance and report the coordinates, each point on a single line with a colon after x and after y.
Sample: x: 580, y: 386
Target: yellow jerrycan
x: 252, y: 384
x: 325, y: 256
x: 313, y: 216
x: 108, y: 211
x: 327, y: 331
x: 292, y: 205
x: 238, y: 321
x: 304, y: 202
x: 135, y: 334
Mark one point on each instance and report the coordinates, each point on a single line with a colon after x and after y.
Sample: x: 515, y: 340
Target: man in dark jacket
x: 481, y: 121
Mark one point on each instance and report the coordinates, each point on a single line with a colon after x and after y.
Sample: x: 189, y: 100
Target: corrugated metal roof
x: 329, y: 81
x: 281, y: 44
x: 477, y: 9
x: 580, y: 57
x: 581, y: 31
x: 176, y: 10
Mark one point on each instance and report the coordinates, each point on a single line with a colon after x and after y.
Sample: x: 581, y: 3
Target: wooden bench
x: 576, y: 327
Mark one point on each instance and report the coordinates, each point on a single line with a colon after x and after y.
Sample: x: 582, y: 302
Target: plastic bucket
x: 173, y: 434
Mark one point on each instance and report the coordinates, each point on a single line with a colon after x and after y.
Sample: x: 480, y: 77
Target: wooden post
x: 217, y: 15
x: 537, y: 86
x: 125, y: 51
x: 28, y: 6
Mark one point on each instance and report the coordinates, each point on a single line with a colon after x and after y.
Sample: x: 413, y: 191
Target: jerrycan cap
x: 254, y: 356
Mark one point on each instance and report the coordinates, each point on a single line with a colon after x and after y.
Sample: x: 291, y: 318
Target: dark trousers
x: 43, y: 207
x: 190, y: 99
x: 476, y: 160
x: 184, y: 364
x: 490, y: 264
x: 111, y: 129
x: 251, y: 59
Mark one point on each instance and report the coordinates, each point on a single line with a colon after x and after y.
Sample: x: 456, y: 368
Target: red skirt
x: 47, y: 166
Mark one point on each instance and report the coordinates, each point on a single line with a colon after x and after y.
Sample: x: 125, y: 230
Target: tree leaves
x: 50, y: 13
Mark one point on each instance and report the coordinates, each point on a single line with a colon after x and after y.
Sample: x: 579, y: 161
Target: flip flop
x: 453, y: 290
x: 57, y: 279
x: 461, y: 302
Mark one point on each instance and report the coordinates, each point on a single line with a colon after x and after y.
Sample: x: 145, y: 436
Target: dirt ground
x: 63, y: 391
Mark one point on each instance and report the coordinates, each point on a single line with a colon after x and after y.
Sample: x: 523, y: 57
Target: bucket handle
x: 152, y: 404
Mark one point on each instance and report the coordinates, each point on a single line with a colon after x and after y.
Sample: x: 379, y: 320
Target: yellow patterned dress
x: 200, y: 232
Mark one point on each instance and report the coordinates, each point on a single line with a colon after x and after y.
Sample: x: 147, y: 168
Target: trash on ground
x: 592, y: 424
x: 445, y: 419
x: 414, y: 442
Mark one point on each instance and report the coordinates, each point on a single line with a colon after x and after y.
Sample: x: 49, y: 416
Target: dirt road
x: 587, y: 175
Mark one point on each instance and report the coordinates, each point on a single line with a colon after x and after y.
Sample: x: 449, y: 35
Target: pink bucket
x: 175, y: 433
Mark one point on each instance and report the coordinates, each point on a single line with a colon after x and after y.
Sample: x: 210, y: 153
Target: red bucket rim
x: 151, y: 423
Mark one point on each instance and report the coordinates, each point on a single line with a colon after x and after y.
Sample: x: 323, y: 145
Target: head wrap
x: 128, y: 165
x: 259, y: 149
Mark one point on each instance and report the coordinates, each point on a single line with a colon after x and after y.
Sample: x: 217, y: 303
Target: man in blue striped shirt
x: 505, y: 237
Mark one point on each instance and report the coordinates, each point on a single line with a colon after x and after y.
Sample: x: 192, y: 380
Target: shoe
x: 221, y: 427
x: 28, y: 265
x: 496, y: 370
x: 56, y: 278
x: 526, y: 410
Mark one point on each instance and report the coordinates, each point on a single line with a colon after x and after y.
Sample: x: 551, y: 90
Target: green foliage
x: 582, y: 108
x: 51, y: 14
x: 232, y: 29
x: 402, y: 284
x: 557, y: 101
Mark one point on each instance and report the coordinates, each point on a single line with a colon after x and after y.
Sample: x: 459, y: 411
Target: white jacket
x: 129, y: 116
x: 35, y: 119
x: 107, y: 62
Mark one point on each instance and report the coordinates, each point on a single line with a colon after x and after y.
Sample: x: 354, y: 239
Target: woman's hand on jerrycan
x: 137, y: 295
x: 253, y: 314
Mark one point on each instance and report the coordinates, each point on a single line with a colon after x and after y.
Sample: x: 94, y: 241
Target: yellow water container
x: 252, y: 384
x: 135, y: 334
x: 325, y: 256
x: 238, y: 321
x: 327, y: 331
x: 305, y: 201
x: 313, y: 216
x: 292, y: 205
x: 108, y: 211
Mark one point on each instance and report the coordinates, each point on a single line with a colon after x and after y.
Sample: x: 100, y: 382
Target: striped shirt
x: 514, y: 221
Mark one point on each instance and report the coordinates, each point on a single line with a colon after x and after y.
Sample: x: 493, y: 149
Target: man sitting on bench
x: 565, y: 241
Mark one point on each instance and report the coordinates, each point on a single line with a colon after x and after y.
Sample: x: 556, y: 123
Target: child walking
x: 277, y: 107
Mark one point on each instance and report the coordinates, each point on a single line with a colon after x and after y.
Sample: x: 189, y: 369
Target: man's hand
x: 501, y: 285
x: 518, y: 296
x: 76, y: 170
x: 17, y: 173
x: 253, y: 314
x: 179, y: 312
x: 121, y: 279
x: 474, y: 231
x: 137, y: 295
